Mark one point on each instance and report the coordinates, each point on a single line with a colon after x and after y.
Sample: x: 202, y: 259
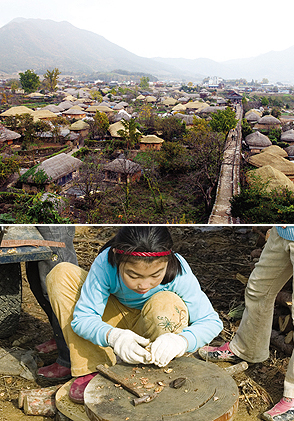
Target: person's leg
x: 164, y: 312
x: 252, y: 339
x: 270, y: 274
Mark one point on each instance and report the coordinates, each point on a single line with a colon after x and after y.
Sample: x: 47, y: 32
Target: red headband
x: 144, y: 253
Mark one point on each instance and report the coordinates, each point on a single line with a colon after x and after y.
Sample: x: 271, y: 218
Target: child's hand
x: 166, y: 347
x: 129, y: 346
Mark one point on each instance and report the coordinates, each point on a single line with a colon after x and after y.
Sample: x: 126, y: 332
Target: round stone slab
x: 208, y: 394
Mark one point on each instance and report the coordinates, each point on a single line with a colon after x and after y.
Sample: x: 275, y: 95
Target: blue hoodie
x: 104, y: 279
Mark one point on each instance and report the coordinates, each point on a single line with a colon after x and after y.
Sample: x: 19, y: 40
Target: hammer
x: 141, y: 396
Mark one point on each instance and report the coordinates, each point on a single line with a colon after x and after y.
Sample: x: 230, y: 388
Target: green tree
x: 100, y: 124
x: 264, y: 101
x: 96, y: 95
x: 144, y: 82
x: 8, y: 166
x: 29, y: 80
x: 130, y: 133
x: 223, y: 121
x: 51, y: 79
x: 173, y: 158
x: 171, y: 129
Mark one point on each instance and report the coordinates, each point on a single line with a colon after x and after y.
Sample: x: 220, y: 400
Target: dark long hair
x: 145, y: 238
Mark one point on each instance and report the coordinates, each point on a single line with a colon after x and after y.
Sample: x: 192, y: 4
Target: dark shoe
x: 47, y: 346
x: 76, y: 391
x: 282, y: 411
x: 55, y: 372
x: 218, y: 353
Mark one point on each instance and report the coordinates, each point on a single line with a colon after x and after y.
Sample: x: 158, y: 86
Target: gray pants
x: 37, y: 272
x: 274, y: 269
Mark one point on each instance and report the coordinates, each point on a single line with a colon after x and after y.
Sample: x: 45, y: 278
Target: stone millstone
x: 209, y: 393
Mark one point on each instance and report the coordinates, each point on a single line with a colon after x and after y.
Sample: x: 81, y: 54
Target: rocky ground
x: 222, y: 259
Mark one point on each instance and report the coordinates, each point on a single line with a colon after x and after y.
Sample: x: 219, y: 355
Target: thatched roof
x: 65, y: 105
x: 150, y: 98
x: 35, y: 95
x: 121, y: 165
x: 140, y: 97
x: 79, y: 125
x: 74, y: 112
x: 254, y: 117
x: 196, y: 105
x: 290, y: 150
x: 19, y: 110
x: 257, y: 140
x: 43, y: 114
x: 254, y: 110
x: 115, y: 127
x: 169, y: 101
x: 76, y: 107
x: 6, y: 134
x: 272, y: 177
x: 94, y: 108
x: 276, y: 150
x: 122, y: 115
x: 151, y: 138
x: 276, y: 161
x: 288, y: 136
x: 269, y: 120
x: 211, y: 109
x: 53, y: 108
x: 187, y: 118
x: 58, y: 166
x: 179, y: 107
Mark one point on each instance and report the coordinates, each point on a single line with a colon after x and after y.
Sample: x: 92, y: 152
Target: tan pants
x: 164, y: 312
x: 274, y: 269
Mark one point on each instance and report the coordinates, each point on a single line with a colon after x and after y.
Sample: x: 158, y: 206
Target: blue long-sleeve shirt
x: 104, y: 279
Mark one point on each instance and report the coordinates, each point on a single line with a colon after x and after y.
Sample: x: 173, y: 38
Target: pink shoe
x: 218, y: 353
x: 47, y: 346
x: 55, y: 372
x: 282, y: 411
x: 76, y: 391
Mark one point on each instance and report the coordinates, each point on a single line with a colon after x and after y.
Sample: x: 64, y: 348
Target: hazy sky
x: 215, y: 29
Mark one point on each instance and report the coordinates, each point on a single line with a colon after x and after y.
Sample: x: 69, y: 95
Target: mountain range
x: 42, y: 44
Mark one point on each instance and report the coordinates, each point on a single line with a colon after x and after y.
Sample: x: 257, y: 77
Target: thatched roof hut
x: 276, y: 161
x: 79, y: 125
x: 290, y: 150
x: 53, y: 108
x: 7, y: 136
x: 257, y: 141
x: 150, y: 98
x: 43, y: 115
x: 169, y: 101
x: 276, y: 150
x: 288, y: 136
x: 93, y: 108
x: 179, y: 107
x: 74, y: 113
x: 273, y: 178
x: 115, y: 127
x: 151, y: 141
x: 59, y: 169
x: 252, y: 117
x: 211, y: 109
x: 196, y: 105
x: 19, y: 110
x: 253, y: 110
x: 65, y: 105
x: 268, y: 122
x: 122, y: 170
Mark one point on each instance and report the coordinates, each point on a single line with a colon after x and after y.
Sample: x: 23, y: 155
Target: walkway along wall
x: 229, y: 179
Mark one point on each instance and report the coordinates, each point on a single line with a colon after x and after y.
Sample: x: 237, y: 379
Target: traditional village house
x: 268, y: 122
x: 43, y: 115
x: 271, y: 177
x: 169, y: 101
x: 151, y: 142
x: 81, y: 128
x: 56, y: 109
x: 76, y: 113
x: 7, y: 137
x: 288, y: 136
x: 19, y: 110
x: 122, y: 171
x: 257, y: 141
x: 115, y: 127
x: 65, y: 105
x: 252, y: 118
x: 59, y: 169
x: 274, y: 160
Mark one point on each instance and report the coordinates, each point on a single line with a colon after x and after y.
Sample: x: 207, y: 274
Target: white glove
x: 166, y: 347
x: 127, y: 345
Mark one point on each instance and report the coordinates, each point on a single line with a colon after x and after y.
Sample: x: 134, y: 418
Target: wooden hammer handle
x: 119, y: 380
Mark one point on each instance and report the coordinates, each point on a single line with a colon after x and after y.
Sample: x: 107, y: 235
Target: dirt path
x: 216, y: 258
